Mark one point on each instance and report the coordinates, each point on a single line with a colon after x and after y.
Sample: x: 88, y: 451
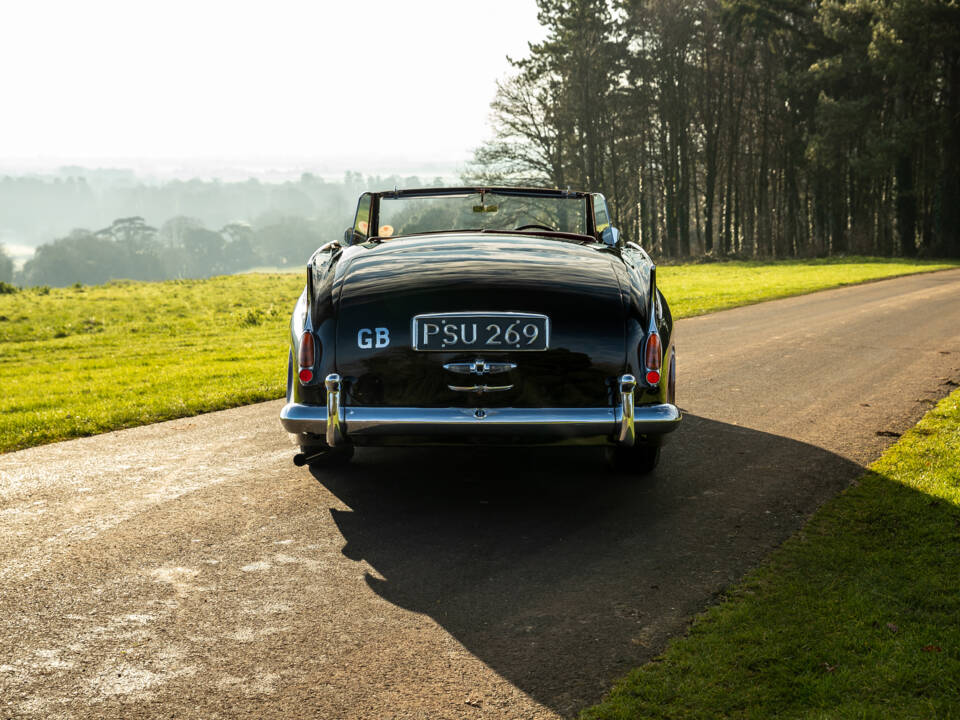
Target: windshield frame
x: 374, y: 217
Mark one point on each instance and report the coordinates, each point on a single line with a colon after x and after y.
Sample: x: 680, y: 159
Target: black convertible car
x: 481, y: 315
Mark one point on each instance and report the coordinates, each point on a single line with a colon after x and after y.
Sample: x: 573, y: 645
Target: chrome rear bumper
x: 621, y: 424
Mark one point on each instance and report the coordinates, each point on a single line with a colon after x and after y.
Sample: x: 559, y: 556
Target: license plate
x: 452, y: 332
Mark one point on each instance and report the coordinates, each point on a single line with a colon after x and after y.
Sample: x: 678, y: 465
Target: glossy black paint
x: 575, y: 286
x: 596, y: 296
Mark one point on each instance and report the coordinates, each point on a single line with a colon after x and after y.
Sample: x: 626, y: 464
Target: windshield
x: 481, y: 211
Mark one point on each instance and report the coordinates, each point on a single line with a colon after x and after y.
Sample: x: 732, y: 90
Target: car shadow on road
x: 559, y: 574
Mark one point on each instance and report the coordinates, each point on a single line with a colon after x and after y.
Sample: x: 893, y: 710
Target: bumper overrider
x: 621, y: 424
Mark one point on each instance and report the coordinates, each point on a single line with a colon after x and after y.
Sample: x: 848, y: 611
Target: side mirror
x: 348, y: 236
x: 610, y: 236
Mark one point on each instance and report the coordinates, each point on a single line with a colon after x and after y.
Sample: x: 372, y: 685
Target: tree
x: 749, y: 127
x: 288, y: 240
x: 239, y: 239
x: 82, y: 256
x: 6, y: 266
x: 138, y: 253
x: 527, y: 146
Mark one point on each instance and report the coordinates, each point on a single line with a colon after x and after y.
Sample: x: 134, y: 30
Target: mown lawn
x: 858, y: 616
x: 79, y: 361
x: 702, y: 288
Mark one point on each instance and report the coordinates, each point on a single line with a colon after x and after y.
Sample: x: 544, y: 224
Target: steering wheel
x: 535, y: 225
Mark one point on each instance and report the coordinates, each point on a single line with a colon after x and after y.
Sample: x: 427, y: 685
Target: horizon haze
x: 150, y: 93
x: 175, y: 88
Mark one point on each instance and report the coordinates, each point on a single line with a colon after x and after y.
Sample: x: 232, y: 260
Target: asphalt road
x: 188, y: 569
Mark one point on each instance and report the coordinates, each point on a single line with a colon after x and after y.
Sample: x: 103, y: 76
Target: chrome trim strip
x: 480, y: 388
x: 480, y: 367
x: 477, y: 313
x: 472, y: 422
x: 627, y: 430
x: 475, y: 421
x: 298, y: 418
x: 310, y: 282
x: 652, y: 325
x: 652, y: 328
x: 332, y: 421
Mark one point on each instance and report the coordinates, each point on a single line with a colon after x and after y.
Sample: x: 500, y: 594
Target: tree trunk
x: 906, y: 206
x: 948, y: 240
x: 710, y: 183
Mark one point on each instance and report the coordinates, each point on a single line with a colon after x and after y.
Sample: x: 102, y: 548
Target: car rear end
x: 480, y: 339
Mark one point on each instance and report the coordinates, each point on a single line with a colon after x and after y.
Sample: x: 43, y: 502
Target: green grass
x: 858, y: 616
x: 276, y: 269
x: 79, y: 361
x: 706, y: 287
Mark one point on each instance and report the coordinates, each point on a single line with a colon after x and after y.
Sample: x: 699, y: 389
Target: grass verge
x: 80, y: 361
x: 858, y: 616
x: 707, y: 287
x: 84, y: 360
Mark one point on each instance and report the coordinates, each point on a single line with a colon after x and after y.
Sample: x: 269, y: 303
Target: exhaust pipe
x: 301, y: 459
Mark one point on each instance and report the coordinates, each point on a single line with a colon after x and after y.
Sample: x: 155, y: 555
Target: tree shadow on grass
x: 557, y: 573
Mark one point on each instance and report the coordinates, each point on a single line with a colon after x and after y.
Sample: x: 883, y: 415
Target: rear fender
x: 319, y: 315
x: 639, y: 267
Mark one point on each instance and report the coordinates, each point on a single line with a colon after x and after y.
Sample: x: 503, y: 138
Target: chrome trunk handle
x: 480, y: 388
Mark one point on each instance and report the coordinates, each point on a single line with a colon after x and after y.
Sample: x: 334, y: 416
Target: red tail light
x: 653, y: 358
x: 306, y: 357
x: 652, y: 353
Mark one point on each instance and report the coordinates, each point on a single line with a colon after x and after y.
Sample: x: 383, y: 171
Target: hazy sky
x: 281, y: 81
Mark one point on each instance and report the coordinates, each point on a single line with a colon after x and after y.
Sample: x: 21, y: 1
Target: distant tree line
x: 180, y: 248
x: 184, y: 246
x: 751, y: 127
x: 36, y: 209
x: 129, y: 248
